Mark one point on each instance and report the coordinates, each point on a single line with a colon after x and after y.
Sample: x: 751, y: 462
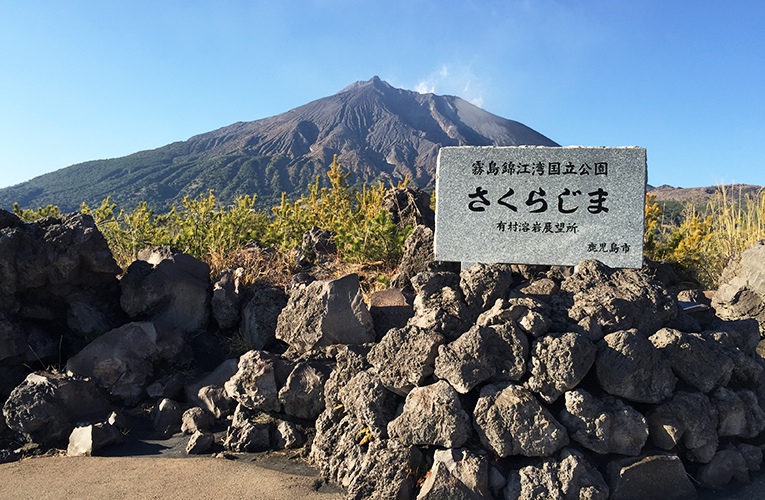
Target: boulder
x: 88, y: 439
x: 45, y: 407
x: 541, y: 289
x: 389, y: 309
x: 629, y: 366
x: 697, y: 361
x: 483, y: 284
x: 457, y: 473
x: 302, y: 395
x: 260, y: 316
x: 558, y: 363
x: 226, y: 299
x: 325, y: 313
x: 652, y: 476
x: 741, y: 293
x: 167, y: 417
x: 752, y: 455
x: 739, y: 413
x: 288, y: 436
x: 570, y: 477
x: 418, y: 257
x: 441, y: 484
x: 689, y: 421
x: 726, y: 465
x: 385, y: 473
x: 351, y: 446
x: 196, y: 419
x: 409, y: 207
x: 432, y: 416
x: 318, y: 246
x: 257, y: 381
x: 209, y: 391
x: 510, y: 421
x: 366, y: 399
x: 60, y: 274
x: 246, y: 433
x: 439, y: 305
x: 122, y: 360
x: 200, y: 442
x: 534, y: 323
x: 604, y: 425
x: 350, y: 360
x: 618, y: 299
x: 405, y: 358
x: 169, y: 287
x: 497, y: 352
x: 741, y: 334
x: 169, y: 386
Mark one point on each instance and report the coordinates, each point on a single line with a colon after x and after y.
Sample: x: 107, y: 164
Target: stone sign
x: 540, y: 205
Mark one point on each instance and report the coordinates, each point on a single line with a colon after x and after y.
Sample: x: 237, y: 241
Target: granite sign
x: 540, y: 205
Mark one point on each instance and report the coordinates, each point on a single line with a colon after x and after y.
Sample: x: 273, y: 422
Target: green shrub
x: 703, y: 242
x: 217, y: 234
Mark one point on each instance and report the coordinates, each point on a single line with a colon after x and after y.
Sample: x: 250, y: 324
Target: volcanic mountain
x: 379, y: 132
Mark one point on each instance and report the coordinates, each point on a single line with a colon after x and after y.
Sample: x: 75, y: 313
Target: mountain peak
x: 379, y: 132
x: 375, y: 82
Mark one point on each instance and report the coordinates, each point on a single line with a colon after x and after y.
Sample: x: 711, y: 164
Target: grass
x: 698, y: 241
x: 705, y: 240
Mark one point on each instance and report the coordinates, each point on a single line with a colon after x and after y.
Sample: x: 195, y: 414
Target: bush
x: 703, y: 243
x: 219, y: 235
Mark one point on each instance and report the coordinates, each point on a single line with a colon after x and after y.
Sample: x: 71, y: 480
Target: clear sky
x: 85, y: 80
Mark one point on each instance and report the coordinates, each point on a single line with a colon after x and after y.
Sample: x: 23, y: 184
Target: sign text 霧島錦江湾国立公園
x: 590, y: 198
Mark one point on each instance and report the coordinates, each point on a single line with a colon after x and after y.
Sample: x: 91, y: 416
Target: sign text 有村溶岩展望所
x: 540, y: 205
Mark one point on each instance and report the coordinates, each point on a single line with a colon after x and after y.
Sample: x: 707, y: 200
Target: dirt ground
x: 148, y: 467
x: 266, y: 477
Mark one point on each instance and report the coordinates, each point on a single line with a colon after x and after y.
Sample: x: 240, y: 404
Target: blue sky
x: 85, y: 80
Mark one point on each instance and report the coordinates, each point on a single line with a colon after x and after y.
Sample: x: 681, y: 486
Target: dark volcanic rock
x: 604, y: 425
x: 570, y: 477
x: 226, y: 299
x: 432, y: 416
x: 699, y: 362
x: 689, y: 422
x: 123, y: 360
x: 510, y: 421
x: 497, y: 352
x: 45, y: 407
x: 405, y: 358
x: 619, y: 299
x: 169, y: 287
x: 325, y: 313
x: 260, y: 316
x: 742, y: 287
x: 558, y: 363
x: 409, y: 207
x: 483, y: 284
x: 652, y: 476
x: 58, y: 274
x: 256, y: 383
x: 628, y: 365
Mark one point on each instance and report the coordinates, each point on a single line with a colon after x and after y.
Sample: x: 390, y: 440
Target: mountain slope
x: 378, y: 131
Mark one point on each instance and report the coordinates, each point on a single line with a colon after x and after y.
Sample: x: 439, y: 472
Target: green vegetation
x: 219, y: 235
x: 698, y: 240
x: 702, y: 241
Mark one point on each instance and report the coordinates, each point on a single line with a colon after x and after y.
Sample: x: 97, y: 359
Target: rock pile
x: 496, y: 381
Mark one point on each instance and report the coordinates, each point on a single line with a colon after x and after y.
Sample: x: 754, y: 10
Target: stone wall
x: 497, y: 381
